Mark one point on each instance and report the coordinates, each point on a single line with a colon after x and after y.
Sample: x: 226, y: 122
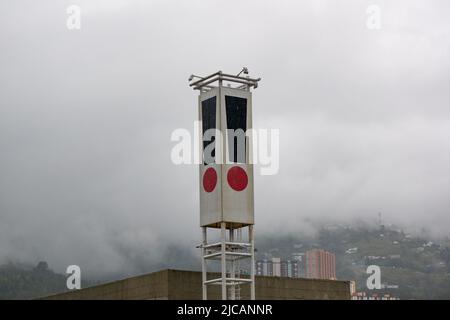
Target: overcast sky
x: 86, y: 117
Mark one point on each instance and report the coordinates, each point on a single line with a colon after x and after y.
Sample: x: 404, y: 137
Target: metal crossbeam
x: 219, y: 76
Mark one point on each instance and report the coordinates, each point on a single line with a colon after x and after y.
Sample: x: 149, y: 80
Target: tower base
x: 230, y: 250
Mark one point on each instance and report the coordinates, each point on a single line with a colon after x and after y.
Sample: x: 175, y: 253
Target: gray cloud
x: 86, y: 117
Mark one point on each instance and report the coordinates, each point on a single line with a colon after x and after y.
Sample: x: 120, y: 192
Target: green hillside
x: 419, y: 267
x: 23, y: 282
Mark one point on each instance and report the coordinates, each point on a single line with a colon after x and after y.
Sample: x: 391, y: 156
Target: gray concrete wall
x: 178, y: 284
x: 148, y: 286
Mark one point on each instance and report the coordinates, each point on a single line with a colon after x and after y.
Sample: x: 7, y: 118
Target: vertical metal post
x: 252, y: 267
x: 238, y: 266
x: 204, y: 286
x: 233, y: 275
x: 224, y: 261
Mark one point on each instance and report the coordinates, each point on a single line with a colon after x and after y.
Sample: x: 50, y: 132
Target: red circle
x: 209, y: 180
x: 237, y: 178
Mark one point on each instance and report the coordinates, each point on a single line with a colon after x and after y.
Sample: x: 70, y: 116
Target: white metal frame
x: 231, y: 249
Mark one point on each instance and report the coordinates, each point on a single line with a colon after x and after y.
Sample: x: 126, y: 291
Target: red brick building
x: 320, y: 264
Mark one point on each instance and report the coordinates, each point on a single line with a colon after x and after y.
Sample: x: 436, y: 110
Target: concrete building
x: 276, y: 267
x: 320, y: 264
x: 290, y: 269
x: 286, y: 269
x: 179, y: 285
x: 299, y: 260
x: 262, y: 268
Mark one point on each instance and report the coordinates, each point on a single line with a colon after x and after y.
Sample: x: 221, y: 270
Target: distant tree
x: 42, y: 266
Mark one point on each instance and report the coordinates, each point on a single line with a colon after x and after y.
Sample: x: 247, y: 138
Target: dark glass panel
x: 208, y: 122
x: 236, y: 109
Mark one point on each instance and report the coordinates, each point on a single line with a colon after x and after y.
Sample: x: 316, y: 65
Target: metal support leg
x: 233, y: 274
x: 204, y: 286
x: 252, y: 267
x: 224, y: 261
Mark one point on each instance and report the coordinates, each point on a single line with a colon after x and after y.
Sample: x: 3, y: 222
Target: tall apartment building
x: 290, y: 269
x: 299, y: 262
x: 264, y: 267
x: 276, y: 267
x: 320, y: 264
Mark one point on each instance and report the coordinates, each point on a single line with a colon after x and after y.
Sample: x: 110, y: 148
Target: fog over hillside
x: 86, y: 117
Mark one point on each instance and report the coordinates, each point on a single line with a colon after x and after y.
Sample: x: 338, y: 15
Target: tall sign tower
x: 226, y: 180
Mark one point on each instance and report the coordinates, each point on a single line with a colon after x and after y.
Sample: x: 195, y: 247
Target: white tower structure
x: 226, y: 180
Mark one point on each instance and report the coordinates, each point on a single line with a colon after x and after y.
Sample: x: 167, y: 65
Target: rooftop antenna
x: 244, y: 70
